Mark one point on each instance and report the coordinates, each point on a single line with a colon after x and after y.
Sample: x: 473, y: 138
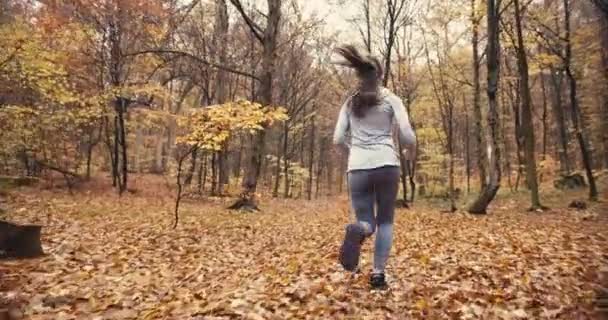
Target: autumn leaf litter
x: 111, y: 258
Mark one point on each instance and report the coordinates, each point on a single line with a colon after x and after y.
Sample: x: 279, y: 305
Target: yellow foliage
x: 44, y: 115
x: 210, y: 127
x: 25, y: 64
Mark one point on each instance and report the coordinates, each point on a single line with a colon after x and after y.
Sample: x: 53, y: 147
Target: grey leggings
x: 376, y: 187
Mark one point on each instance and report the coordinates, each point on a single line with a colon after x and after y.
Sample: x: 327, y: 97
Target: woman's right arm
x: 406, y: 133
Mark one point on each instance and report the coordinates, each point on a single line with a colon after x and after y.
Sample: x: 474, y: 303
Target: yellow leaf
x: 421, y: 304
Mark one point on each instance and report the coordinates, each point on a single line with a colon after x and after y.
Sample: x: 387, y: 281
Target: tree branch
x: 254, y: 27
x: 195, y: 58
x: 10, y: 57
x: 55, y: 168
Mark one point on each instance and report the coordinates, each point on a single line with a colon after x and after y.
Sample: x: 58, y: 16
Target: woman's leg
x: 362, y: 199
x: 386, y: 182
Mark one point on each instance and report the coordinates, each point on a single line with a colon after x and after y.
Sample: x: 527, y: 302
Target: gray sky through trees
x: 335, y: 14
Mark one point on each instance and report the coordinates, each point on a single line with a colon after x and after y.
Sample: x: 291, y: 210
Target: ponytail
x: 369, y: 72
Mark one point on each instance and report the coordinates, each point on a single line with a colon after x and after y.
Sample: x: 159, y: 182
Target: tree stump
x: 400, y: 203
x: 242, y: 204
x: 4, y: 315
x: 578, y: 204
x: 20, y: 241
x: 10, y: 314
x: 571, y: 181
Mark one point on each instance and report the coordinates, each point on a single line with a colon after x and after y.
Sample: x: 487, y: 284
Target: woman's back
x: 371, y: 141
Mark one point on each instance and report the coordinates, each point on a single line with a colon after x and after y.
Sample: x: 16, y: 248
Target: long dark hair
x: 369, y: 72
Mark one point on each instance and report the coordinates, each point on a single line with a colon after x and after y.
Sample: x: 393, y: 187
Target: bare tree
x: 446, y: 101
x: 603, y: 5
x: 399, y: 13
x: 526, y: 108
x: 477, y: 119
x: 268, y: 38
x: 368, y: 24
x: 406, y: 86
x: 580, y: 136
x: 364, y: 24
x: 220, y: 43
x: 552, y: 38
x: 492, y: 53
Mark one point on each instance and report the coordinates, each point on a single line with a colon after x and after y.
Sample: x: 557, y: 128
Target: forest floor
x: 119, y: 258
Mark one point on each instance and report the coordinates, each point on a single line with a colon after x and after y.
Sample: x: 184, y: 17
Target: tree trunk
x: 158, y: 155
x: 330, y: 177
x: 201, y: 169
x: 389, y: 50
x: 277, y: 171
x: 138, y: 149
x: 302, y: 145
x: 89, y: 160
x: 116, y: 149
x: 169, y: 145
x: 587, y: 159
x: 320, y: 164
x: 93, y: 141
x: 526, y: 109
x: 515, y: 100
x: 544, y: 115
x: 239, y: 159
x: 368, y: 24
x: 558, y: 113
x: 220, y: 40
x: 477, y: 120
x: 492, y: 52
x: 190, y: 175
x: 311, y: 157
x: 179, y: 195
x: 604, y: 42
x: 285, y: 161
x: 451, y: 155
x: 341, y: 176
x: 411, y: 164
x: 467, y: 145
x: 204, y: 168
x: 214, y: 174
x: 120, y: 103
x: 111, y: 153
x: 507, y: 166
x: 411, y: 169
x: 223, y: 174
x: 404, y: 172
x: 557, y: 82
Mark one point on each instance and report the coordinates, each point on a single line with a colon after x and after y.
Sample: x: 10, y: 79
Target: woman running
x: 368, y: 117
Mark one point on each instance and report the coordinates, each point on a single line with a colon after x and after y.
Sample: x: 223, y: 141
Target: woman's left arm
x: 406, y: 133
x: 342, y: 126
